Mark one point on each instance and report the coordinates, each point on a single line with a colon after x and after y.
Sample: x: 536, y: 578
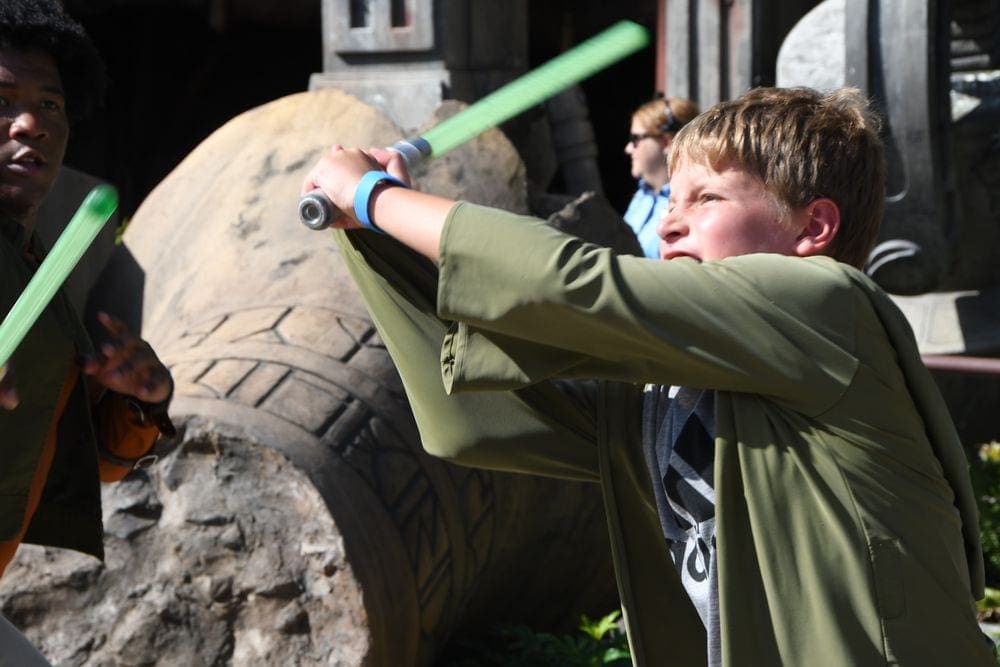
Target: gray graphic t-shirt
x: 679, y: 442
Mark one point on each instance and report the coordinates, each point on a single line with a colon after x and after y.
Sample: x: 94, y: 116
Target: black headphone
x: 671, y: 124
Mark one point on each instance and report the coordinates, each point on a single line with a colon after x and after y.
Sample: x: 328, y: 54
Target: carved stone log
x: 297, y: 521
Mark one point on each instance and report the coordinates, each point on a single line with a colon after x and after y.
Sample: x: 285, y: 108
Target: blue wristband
x: 363, y: 195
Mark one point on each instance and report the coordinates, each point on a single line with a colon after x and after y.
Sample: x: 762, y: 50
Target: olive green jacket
x: 846, y: 525
x: 69, y: 514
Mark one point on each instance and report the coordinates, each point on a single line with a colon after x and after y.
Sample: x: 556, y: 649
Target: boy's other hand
x: 8, y: 389
x: 338, y: 173
x: 127, y: 364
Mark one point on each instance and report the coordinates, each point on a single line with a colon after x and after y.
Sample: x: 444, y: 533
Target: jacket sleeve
x: 548, y: 428
x: 531, y: 303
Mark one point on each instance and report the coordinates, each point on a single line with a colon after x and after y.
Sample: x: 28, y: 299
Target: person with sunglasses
x: 654, y: 125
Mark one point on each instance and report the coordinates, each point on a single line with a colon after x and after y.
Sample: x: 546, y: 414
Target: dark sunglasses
x: 636, y: 138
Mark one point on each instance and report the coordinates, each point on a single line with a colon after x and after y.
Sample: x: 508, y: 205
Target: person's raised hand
x: 127, y: 364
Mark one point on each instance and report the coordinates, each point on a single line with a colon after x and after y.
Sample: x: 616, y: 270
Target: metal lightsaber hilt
x: 316, y: 211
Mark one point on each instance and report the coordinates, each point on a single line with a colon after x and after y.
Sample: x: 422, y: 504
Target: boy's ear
x: 821, y: 222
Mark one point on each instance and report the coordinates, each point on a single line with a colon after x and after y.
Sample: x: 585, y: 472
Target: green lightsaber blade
x: 611, y: 45
x: 593, y: 55
x: 95, y: 210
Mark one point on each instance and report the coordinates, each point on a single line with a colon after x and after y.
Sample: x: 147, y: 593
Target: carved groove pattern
x: 349, y: 398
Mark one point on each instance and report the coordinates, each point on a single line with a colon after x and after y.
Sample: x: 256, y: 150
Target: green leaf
x: 598, y: 629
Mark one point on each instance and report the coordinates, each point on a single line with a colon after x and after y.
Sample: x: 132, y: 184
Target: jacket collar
x: 13, y: 232
x: 648, y: 189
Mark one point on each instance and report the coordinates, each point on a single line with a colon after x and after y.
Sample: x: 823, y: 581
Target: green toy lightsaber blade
x: 596, y: 53
x: 95, y: 210
x: 541, y: 83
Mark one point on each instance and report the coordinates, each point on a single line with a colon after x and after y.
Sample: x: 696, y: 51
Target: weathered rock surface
x: 298, y: 521
x: 223, y: 552
x: 591, y: 217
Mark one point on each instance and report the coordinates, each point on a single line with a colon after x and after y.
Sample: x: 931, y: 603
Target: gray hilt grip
x: 316, y: 211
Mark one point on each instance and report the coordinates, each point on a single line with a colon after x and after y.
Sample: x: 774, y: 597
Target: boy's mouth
x: 674, y: 254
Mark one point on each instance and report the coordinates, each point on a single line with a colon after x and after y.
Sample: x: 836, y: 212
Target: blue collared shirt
x: 643, y: 215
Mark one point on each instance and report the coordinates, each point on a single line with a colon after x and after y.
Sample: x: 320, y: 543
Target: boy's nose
x: 671, y: 225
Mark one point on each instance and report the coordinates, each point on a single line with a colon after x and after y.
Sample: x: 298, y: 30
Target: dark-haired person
x: 70, y: 416
x: 654, y: 125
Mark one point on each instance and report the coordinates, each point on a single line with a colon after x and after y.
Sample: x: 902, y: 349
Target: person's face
x: 717, y: 214
x: 646, y: 153
x: 33, y: 129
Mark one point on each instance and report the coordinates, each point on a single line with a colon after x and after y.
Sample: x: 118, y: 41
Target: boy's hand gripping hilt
x: 316, y: 211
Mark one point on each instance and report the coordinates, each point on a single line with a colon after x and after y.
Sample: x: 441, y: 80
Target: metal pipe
x: 954, y: 363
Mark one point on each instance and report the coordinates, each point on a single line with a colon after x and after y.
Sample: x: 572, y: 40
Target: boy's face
x: 716, y: 214
x: 34, y: 130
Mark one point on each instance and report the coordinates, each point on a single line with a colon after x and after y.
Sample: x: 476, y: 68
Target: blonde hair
x: 665, y: 115
x: 803, y: 145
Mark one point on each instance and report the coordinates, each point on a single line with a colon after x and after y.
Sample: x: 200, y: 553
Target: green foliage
x: 985, y: 471
x: 990, y: 601
x: 120, y: 232
x: 600, y: 642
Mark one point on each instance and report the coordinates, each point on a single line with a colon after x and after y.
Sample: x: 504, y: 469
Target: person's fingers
x: 117, y: 359
x: 308, y: 184
x: 156, y: 386
x: 147, y: 379
x: 395, y: 164
x: 137, y: 358
x: 118, y: 352
x: 8, y: 392
x: 118, y: 349
x: 9, y: 399
x: 380, y: 155
x: 115, y: 326
x: 121, y: 341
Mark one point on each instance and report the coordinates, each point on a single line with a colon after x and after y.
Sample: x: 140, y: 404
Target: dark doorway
x: 612, y: 94
x: 178, y: 73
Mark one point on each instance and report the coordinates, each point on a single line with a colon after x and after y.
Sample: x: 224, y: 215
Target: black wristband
x: 154, y: 413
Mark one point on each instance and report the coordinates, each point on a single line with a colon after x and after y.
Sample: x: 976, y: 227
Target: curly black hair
x: 45, y: 25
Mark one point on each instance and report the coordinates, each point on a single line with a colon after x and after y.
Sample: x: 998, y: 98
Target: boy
x: 782, y: 481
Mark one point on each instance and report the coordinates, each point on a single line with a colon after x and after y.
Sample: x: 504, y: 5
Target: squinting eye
x: 51, y: 105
